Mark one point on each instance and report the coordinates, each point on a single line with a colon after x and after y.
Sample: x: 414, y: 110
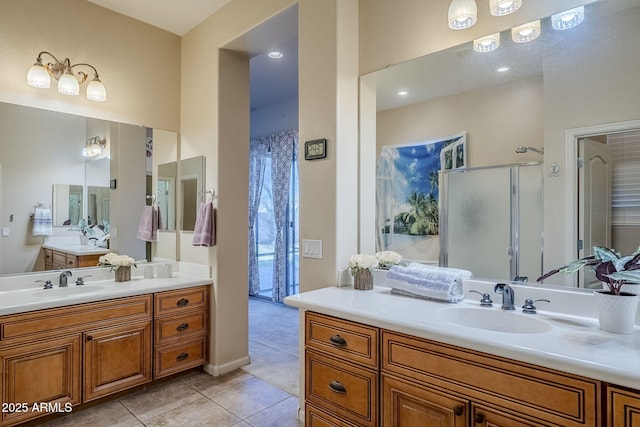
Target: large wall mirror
x: 192, y: 191
x: 41, y: 161
x: 520, y: 95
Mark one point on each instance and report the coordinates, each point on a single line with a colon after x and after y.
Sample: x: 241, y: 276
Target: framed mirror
x: 192, y: 191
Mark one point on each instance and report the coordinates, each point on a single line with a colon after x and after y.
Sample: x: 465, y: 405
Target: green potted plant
x: 617, y: 308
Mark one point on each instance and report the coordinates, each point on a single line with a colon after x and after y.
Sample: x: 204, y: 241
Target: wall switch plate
x: 5, y: 231
x: 312, y: 248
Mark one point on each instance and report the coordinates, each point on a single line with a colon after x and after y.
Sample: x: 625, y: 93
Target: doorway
x: 608, y: 195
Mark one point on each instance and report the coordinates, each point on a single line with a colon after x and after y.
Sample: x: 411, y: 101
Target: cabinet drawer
x: 314, y: 417
x: 342, y: 388
x: 61, y: 320
x: 342, y: 338
x: 171, y: 302
x: 545, y: 395
x: 176, y: 327
x: 184, y: 355
x: 623, y: 407
x: 72, y: 261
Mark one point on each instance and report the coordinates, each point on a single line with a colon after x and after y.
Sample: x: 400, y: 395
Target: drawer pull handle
x: 338, y: 341
x: 183, y: 327
x: 478, y: 419
x: 182, y: 302
x: 89, y: 337
x: 337, y: 387
x: 182, y: 356
x: 458, y: 410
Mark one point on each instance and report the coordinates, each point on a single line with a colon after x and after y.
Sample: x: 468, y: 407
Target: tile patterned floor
x: 262, y: 394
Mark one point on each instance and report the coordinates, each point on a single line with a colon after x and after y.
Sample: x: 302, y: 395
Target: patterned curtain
x: 259, y: 149
x: 283, y: 147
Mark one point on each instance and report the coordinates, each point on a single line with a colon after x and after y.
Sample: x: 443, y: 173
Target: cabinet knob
x: 478, y: 419
x: 337, y: 387
x: 182, y: 302
x: 182, y: 327
x: 458, y: 410
x: 89, y: 337
x: 182, y: 356
x: 337, y: 340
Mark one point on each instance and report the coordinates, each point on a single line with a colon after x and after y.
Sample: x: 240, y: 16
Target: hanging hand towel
x: 148, y: 227
x: 204, y: 233
x: 42, y: 223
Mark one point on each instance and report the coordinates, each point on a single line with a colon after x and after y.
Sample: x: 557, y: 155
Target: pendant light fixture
x: 504, y: 7
x: 462, y: 14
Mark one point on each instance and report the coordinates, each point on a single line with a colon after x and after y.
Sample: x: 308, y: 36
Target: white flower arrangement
x: 387, y: 259
x: 362, y: 261
x: 116, y: 261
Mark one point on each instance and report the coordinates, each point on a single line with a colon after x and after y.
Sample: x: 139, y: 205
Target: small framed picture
x: 316, y: 149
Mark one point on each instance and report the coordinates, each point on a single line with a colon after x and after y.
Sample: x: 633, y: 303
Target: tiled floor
x: 263, y: 393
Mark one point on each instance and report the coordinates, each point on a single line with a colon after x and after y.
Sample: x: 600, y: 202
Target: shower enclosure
x: 491, y: 221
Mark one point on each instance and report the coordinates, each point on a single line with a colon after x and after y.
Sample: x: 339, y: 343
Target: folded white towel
x: 42, y: 223
x: 426, y: 281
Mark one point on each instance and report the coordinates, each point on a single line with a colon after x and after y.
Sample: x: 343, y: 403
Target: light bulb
x: 38, y: 76
x: 503, y: 7
x: 96, y: 91
x: 68, y: 84
x: 462, y: 14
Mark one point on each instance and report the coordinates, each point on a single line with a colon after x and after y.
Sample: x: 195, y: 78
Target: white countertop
x: 572, y: 344
x: 78, y: 249
x: 34, y: 297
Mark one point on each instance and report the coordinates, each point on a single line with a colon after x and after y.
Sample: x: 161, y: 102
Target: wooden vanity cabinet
x: 342, y: 372
x: 181, y: 330
x: 61, y: 357
x: 623, y: 407
x: 55, y: 260
x: 429, y: 383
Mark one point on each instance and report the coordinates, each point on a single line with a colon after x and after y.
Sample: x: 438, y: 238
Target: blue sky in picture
x: 412, y: 167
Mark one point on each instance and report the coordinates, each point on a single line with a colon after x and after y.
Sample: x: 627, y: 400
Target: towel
x: 429, y: 282
x: 204, y: 233
x: 148, y: 227
x: 42, y: 223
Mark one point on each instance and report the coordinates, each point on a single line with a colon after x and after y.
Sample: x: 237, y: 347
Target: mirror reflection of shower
x: 523, y: 149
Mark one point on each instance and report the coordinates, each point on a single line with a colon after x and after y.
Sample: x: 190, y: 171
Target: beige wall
x: 493, y: 119
x: 138, y: 64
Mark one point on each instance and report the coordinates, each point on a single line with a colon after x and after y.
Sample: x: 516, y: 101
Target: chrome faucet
x: 507, y: 295
x: 63, y: 278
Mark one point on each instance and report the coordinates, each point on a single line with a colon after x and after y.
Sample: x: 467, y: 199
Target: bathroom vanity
x: 64, y: 347
x: 78, y: 256
x: 373, y: 358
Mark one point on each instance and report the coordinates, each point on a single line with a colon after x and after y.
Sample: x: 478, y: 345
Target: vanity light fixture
x: 487, y: 44
x: 94, y: 147
x: 462, y: 14
x: 275, y: 54
x: 526, y: 32
x: 503, y: 7
x: 567, y: 19
x: 39, y: 76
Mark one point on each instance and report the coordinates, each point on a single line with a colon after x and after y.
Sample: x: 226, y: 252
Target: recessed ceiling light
x: 275, y: 54
x: 402, y: 93
x: 503, y: 69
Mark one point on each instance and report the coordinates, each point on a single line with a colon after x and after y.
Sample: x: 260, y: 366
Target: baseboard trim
x: 217, y: 370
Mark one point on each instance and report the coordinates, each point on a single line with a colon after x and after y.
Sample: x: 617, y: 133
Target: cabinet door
x: 624, y: 407
x: 409, y: 405
x: 482, y: 416
x: 46, y: 373
x: 116, y: 358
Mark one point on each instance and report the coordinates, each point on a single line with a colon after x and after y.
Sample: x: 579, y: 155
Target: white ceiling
x: 176, y: 16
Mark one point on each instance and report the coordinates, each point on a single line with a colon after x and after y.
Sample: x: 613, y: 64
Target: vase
x: 123, y: 274
x: 363, y: 280
x: 617, y: 313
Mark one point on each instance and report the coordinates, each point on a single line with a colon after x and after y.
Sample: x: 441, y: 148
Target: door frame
x: 571, y: 183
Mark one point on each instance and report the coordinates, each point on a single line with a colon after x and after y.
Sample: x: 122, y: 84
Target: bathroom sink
x: 70, y: 290
x: 494, y: 320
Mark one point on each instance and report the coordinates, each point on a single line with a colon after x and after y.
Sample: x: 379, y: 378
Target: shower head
x: 523, y: 149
